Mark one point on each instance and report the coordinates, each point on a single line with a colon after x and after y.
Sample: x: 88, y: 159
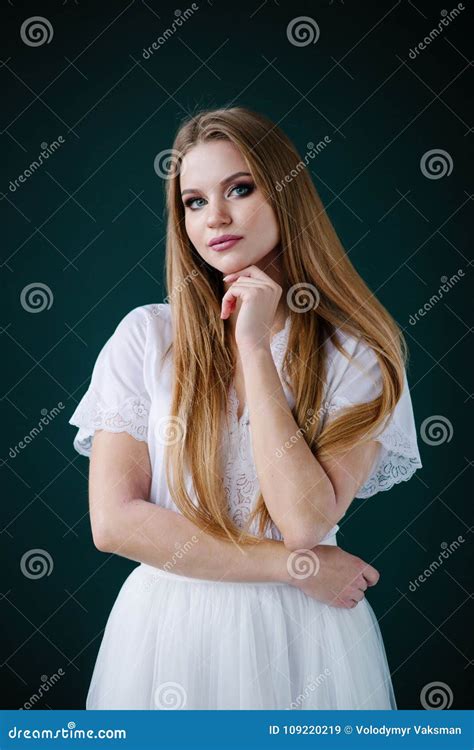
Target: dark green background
x: 90, y: 225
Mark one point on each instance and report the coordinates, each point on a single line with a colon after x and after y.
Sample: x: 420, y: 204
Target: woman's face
x: 221, y: 198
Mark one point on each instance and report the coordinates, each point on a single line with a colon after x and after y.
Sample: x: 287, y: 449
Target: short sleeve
x: 360, y: 381
x: 117, y: 399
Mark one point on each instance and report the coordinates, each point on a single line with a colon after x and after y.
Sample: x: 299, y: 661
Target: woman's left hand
x: 259, y: 296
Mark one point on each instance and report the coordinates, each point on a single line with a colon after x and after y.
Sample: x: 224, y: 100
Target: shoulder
x: 149, y: 323
x: 355, y: 363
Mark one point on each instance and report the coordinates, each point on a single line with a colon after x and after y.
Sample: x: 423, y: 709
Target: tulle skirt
x: 173, y: 642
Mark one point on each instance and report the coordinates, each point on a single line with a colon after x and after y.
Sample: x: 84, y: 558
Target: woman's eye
x: 247, y: 188
x: 190, y: 201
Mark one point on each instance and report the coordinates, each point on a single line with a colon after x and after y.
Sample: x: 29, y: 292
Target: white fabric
x: 359, y: 381
x: 130, y: 390
x: 183, y: 643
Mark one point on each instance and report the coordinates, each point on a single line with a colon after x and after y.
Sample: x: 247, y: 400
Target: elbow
x: 102, y: 539
x: 301, y: 542
x: 311, y: 532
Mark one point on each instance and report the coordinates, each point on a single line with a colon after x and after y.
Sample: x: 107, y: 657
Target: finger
x: 230, y: 297
x: 252, y: 271
x: 229, y: 301
x: 371, y: 575
x: 248, y: 281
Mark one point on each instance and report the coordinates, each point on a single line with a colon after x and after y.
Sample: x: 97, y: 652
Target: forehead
x: 206, y: 164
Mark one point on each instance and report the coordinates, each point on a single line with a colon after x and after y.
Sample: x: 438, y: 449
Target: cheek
x: 262, y: 218
x: 191, y: 226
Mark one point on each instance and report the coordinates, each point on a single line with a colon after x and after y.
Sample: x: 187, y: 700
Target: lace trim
x: 91, y: 415
x: 278, y: 345
x: 398, y: 460
x: 240, y: 476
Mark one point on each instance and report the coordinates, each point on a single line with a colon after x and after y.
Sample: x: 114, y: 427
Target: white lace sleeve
x: 358, y: 382
x: 116, y: 399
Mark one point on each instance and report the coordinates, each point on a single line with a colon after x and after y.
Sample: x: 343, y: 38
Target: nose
x: 218, y: 214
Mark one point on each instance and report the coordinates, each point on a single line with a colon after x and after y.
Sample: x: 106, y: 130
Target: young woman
x: 229, y: 430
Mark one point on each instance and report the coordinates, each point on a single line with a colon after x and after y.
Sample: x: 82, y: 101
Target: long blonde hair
x: 203, y: 363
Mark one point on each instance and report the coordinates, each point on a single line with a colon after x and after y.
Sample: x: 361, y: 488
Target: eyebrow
x: 223, y: 182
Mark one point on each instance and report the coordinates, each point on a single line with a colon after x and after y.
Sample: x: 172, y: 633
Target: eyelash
x: 247, y: 185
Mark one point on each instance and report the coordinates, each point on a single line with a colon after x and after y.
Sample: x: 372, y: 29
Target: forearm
x: 162, y: 538
x: 298, y: 493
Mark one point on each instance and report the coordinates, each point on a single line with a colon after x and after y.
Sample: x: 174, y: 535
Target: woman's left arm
x: 305, y: 497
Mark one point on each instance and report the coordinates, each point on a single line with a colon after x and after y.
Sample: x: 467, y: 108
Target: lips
x: 224, y: 238
x: 224, y: 242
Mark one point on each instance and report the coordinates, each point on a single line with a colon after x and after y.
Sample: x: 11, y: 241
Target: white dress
x: 173, y: 642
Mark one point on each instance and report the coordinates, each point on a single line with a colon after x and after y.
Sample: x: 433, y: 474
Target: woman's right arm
x: 125, y: 524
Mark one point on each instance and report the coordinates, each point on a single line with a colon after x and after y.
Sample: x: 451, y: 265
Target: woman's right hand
x: 331, y: 575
